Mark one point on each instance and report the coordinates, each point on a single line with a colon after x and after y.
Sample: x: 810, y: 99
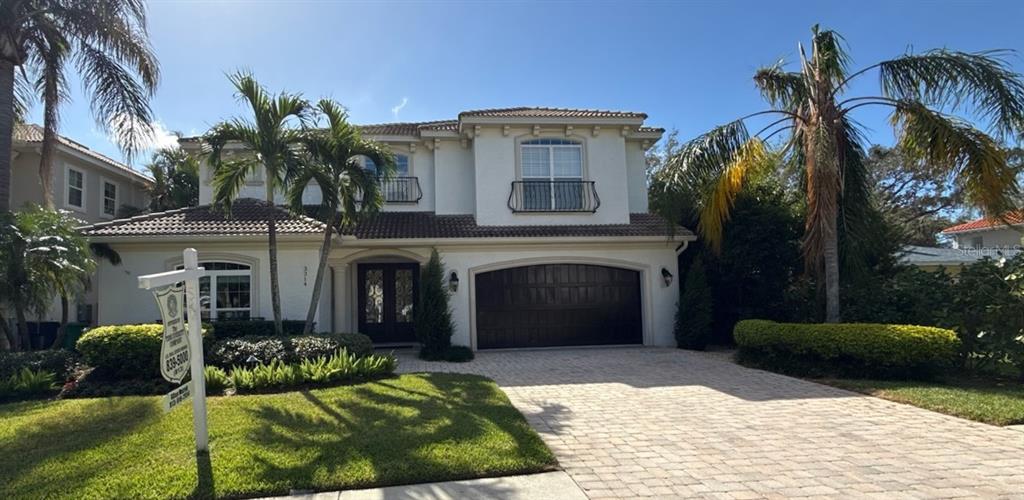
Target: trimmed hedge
x: 230, y: 329
x: 855, y: 350
x: 124, y: 351
x: 236, y: 351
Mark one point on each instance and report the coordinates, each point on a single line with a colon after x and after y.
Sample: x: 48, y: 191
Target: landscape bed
x: 406, y: 429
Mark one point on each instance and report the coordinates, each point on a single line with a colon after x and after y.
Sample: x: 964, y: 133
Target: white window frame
x: 209, y: 306
x: 575, y: 143
x: 408, y: 164
x: 103, y: 197
x: 67, y: 188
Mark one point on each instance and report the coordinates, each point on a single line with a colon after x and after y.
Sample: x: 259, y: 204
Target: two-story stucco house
x: 90, y: 185
x: 970, y: 242
x: 539, y: 214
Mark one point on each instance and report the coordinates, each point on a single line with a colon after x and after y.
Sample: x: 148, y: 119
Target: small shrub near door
x: 27, y: 383
x: 693, y: 313
x: 236, y: 351
x: 123, y: 351
x: 433, y: 314
x: 854, y: 350
x: 59, y: 362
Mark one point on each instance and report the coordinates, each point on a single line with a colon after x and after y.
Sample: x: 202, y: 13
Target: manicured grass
x: 407, y: 429
x: 997, y: 402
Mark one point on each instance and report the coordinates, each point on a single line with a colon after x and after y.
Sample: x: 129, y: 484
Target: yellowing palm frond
x: 751, y: 157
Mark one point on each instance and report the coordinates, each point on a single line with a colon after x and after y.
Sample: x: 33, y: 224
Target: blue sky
x: 686, y: 64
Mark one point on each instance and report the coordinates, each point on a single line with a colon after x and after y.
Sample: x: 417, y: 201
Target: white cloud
x: 395, y: 110
x: 153, y: 137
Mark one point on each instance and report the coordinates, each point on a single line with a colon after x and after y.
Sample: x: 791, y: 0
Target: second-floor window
x: 552, y: 171
x: 109, y: 199
x: 401, y: 165
x: 76, y: 188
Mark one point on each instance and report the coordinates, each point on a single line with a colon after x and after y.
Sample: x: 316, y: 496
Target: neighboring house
x: 971, y: 242
x: 90, y: 185
x: 539, y: 214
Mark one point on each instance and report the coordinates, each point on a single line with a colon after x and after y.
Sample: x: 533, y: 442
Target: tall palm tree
x: 812, y: 110
x: 348, y: 191
x: 106, y: 43
x: 175, y: 175
x: 270, y: 143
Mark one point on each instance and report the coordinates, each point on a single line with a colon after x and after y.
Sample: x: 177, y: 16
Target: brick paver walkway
x: 628, y: 422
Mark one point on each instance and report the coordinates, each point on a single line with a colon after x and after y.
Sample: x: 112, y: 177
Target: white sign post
x: 174, y: 356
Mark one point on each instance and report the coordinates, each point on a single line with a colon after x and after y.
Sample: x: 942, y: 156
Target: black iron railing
x: 543, y: 195
x: 401, y: 190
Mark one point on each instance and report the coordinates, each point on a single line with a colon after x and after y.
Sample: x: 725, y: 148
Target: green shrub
x: 217, y: 380
x: 236, y: 351
x: 27, y: 383
x: 226, y: 329
x: 123, y: 351
x: 433, y: 314
x: 693, y: 313
x: 59, y: 362
x: 861, y: 350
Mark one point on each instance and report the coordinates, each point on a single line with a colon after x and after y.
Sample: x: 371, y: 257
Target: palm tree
x: 812, y: 111
x: 175, y: 180
x: 105, y: 41
x: 271, y: 144
x: 347, y: 190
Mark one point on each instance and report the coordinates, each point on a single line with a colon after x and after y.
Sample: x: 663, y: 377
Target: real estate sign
x: 174, y: 351
x: 177, y: 397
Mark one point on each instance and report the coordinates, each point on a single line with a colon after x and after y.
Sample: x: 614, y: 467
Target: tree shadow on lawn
x: 61, y: 435
x: 443, y: 427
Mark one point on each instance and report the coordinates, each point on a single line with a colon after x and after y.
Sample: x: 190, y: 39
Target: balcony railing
x: 400, y: 190
x: 543, y: 195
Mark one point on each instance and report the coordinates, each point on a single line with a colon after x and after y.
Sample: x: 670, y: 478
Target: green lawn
x: 997, y: 402
x: 407, y: 429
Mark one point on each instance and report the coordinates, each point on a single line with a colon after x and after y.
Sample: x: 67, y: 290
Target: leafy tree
x: 916, y: 197
x: 106, y: 43
x: 273, y: 145
x: 348, y: 192
x: 175, y: 180
x: 432, y: 316
x: 693, y: 314
x: 810, y: 108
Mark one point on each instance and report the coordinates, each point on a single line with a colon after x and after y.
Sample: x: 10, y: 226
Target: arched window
x: 226, y: 290
x: 401, y: 165
x: 552, y: 174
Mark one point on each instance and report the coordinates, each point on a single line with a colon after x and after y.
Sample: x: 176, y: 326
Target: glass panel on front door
x: 387, y: 298
x: 374, y: 307
x: 403, y: 295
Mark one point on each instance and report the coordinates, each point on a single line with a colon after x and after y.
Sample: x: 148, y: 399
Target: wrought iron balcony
x: 543, y: 195
x: 400, y: 190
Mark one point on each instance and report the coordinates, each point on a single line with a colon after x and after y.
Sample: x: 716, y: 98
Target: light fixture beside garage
x: 667, y: 276
x: 453, y: 281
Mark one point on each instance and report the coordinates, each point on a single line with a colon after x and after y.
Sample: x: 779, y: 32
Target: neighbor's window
x: 401, y: 165
x: 977, y: 242
x: 76, y: 188
x: 549, y: 168
x: 109, y: 199
x: 226, y: 290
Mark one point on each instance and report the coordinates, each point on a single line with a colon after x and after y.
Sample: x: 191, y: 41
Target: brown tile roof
x: 31, y: 133
x: 248, y: 217
x: 408, y: 225
x: 537, y: 112
x: 1012, y: 218
x: 411, y: 128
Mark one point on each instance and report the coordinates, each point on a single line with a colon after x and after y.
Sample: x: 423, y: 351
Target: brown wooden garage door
x: 558, y: 305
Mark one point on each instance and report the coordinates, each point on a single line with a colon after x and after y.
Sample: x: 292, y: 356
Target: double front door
x: 387, y: 296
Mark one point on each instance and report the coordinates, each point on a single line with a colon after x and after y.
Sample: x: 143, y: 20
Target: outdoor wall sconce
x: 667, y: 276
x: 453, y: 281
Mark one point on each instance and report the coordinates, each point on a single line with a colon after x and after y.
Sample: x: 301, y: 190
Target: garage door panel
x: 558, y: 305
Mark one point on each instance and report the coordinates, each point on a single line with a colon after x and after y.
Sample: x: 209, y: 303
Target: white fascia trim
x: 392, y: 138
x: 654, y: 136
x: 439, y: 133
x: 131, y: 174
x: 515, y: 241
x: 201, y: 238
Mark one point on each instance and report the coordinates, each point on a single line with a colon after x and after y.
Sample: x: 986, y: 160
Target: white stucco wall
x: 604, y: 162
x: 636, y: 176
x: 659, y: 301
x: 1004, y: 237
x: 455, y: 179
x: 121, y: 301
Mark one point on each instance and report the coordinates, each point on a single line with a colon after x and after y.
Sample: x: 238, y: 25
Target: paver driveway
x: 627, y: 422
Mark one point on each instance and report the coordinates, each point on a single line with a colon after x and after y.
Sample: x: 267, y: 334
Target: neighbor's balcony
x: 544, y: 195
x: 400, y: 190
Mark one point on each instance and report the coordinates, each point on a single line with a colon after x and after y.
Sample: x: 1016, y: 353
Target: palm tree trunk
x: 275, y: 288
x: 51, y: 98
x: 830, y: 254
x: 58, y: 341
x: 6, y: 131
x: 24, y: 340
x: 6, y: 339
x: 325, y: 250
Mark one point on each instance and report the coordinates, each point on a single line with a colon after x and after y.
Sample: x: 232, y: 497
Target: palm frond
x: 120, y: 103
x: 704, y: 156
x: 780, y: 88
x: 974, y: 158
x: 717, y: 202
x: 982, y: 81
x: 829, y: 55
